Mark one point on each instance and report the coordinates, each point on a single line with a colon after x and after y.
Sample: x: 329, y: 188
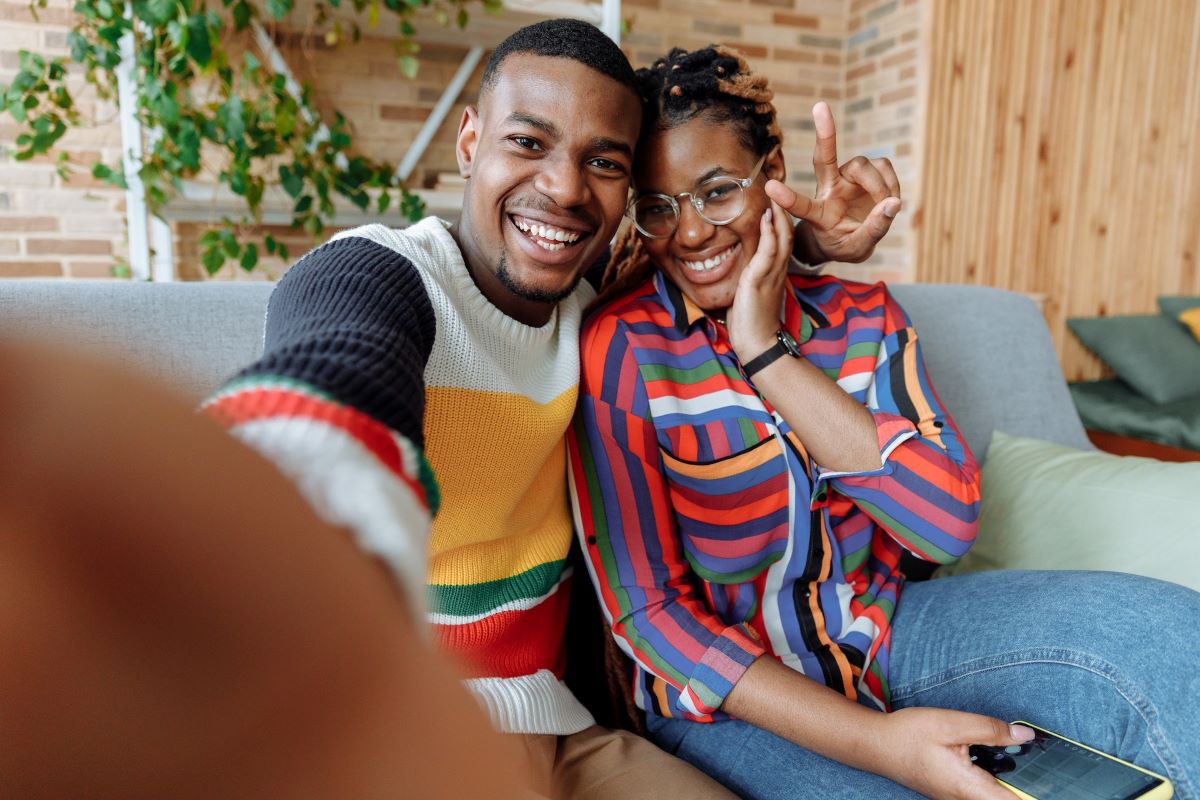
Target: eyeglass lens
x: 719, y: 201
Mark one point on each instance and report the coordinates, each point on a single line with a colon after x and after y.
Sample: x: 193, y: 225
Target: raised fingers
x: 825, y: 160
x: 866, y: 174
x: 888, y: 172
x: 793, y: 202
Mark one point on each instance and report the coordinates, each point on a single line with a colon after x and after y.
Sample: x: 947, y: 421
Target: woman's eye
x: 719, y: 191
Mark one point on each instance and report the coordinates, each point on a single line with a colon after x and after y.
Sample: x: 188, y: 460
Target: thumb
x: 792, y: 201
x: 989, y: 730
x: 874, y: 227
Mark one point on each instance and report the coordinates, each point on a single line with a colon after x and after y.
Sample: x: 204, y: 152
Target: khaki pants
x: 602, y: 764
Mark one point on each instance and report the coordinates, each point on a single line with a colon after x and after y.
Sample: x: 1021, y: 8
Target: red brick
x: 19, y: 12
x: 796, y: 20
x: 403, y: 113
x: 776, y: 3
x: 893, y: 96
x: 860, y: 71
x: 30, y: 269
x: 90, y: 269
x: 832, y: 59
x: 901, y: 57
x: 750, y: 50
x: 28, y: 224
x: 903, y: 149
x: 908, y: 73
x: 68, y: 247
x: 803, y: 56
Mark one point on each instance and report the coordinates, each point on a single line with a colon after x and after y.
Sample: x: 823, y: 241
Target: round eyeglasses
x: 718, y: 200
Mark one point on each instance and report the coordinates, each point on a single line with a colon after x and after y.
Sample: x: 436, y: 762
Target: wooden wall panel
x: 1061, y: 154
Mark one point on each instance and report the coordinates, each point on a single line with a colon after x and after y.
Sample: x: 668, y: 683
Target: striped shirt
x: 710, y: 533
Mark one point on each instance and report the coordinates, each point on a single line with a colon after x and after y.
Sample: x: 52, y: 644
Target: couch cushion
x: 992, y: 363
x: 192, y: 336
x: 1046, y: 506
x: 1152, y: 353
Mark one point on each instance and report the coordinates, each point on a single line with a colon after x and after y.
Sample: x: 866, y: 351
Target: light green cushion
x: 1172, y: 305
x: 1046, y: 506
x: 1152, y: 353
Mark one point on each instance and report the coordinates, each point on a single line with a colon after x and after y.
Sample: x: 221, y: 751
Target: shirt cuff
x: 719, y: 670
x: 891, y: 430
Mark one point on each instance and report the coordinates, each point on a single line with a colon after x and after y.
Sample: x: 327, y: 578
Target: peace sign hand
x: 854, y: 205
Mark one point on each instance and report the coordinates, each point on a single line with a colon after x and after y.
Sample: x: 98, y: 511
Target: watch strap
x: 770, y: 355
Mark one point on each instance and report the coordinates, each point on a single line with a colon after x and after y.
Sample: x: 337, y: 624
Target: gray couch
x: 988, y: 351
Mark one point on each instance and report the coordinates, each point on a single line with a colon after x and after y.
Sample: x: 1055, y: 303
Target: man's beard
x: 530, y: 293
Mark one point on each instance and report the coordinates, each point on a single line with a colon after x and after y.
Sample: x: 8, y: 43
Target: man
x: 385, y: 347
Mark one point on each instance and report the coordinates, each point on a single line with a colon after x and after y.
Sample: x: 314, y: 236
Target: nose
x: 693, y: 229
x: 562, y: 180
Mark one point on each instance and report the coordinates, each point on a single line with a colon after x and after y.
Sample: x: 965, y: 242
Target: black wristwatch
x: 784, y: 345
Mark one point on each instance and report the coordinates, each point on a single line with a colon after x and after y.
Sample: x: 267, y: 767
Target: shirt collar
x: 800, y: 317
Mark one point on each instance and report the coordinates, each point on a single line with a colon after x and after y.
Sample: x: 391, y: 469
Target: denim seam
x: 1079, y: 660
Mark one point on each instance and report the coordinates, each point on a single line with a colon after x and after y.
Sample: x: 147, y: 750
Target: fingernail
x: 891, y: 210
x: 1021, y: 733
x: 767, y: 215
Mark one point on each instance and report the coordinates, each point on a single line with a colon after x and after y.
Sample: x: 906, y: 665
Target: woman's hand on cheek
x: 926, y: 749
x: 753, y: 317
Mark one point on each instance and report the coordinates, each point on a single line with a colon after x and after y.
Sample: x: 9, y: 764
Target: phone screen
x: 1052, y: 768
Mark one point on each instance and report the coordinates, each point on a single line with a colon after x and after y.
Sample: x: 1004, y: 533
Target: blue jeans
x: 1107, y: 659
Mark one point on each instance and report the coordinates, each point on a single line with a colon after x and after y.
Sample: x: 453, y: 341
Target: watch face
x: 789, y: 343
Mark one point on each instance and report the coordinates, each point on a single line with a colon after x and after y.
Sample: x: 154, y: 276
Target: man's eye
x: 606, y: 164
x: 527, y: 142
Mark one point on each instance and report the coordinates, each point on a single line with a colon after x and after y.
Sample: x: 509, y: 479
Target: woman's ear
x: 468, y: 140
x: 773, y: 167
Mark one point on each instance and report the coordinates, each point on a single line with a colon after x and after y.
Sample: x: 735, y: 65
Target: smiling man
x: 460, y: 344
x: 394, y: 355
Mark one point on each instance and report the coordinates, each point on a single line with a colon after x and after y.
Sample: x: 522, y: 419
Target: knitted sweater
x: 369, y: 335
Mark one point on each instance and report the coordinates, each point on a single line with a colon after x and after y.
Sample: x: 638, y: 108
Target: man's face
x: 548, y: 154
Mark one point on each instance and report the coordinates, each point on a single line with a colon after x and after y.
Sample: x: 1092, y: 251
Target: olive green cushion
x: 1152, y: 353
x: 1174, y: 305
x: 1046, y: 506
x: 1113, y: 407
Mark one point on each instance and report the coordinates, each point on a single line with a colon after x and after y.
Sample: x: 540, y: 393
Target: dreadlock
x: 715, y: 83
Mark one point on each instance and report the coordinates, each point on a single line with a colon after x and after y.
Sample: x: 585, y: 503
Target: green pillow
x: 1152, y: 353
x: 1046, y: 506
x: 1174, y: 305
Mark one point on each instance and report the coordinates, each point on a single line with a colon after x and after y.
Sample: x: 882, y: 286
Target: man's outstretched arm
x: 176, y: 621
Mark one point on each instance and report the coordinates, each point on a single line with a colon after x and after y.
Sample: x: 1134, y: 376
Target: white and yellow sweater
x: 371, y: 317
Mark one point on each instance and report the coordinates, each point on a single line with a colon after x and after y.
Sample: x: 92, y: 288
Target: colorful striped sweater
x: 383, y: 335
x: 712, y: 535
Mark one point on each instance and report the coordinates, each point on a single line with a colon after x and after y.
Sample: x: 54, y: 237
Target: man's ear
x: 468, y: 140
x: 773, y: 167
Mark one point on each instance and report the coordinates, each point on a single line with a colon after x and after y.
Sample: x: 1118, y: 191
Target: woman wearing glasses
x: 754, y: 453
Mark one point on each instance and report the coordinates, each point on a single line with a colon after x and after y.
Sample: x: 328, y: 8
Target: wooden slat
x: 1060, y: 154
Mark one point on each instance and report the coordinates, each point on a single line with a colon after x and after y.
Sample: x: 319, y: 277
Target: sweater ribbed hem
x: 537, y: 703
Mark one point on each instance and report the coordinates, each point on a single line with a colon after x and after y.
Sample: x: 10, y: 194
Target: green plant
x: 210, y: 104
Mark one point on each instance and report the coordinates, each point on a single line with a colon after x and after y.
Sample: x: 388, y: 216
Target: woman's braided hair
x: 716, y: 83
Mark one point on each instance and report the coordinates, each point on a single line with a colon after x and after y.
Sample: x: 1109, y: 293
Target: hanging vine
x: 204, y: 102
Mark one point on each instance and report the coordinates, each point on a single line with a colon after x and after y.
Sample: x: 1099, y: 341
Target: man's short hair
x: 564, y: 38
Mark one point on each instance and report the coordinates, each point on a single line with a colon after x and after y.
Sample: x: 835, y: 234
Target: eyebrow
x: 599, y: 144
x: 542, y: 124
x: 709, y: 175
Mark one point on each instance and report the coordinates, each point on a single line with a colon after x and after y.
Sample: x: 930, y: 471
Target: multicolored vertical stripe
x: 713, y: 537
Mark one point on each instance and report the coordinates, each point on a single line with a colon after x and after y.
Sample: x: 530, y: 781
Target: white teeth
x: 550, y: 247
x: 547, y: 232
x: 708, y: 263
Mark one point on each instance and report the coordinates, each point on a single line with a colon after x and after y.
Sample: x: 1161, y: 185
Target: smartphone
x: 1053, y: 767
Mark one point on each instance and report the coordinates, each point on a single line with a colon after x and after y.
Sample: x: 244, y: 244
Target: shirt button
x: 591, y: 540
x: 939, y: 424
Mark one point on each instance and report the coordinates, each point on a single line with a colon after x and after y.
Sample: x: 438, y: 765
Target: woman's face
x: 704, y: 260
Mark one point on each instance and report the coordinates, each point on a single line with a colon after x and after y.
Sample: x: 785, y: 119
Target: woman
x: 756, y: 455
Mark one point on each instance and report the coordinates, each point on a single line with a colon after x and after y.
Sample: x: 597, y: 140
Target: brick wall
x: 881, y: 116
x: 859, y: 55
